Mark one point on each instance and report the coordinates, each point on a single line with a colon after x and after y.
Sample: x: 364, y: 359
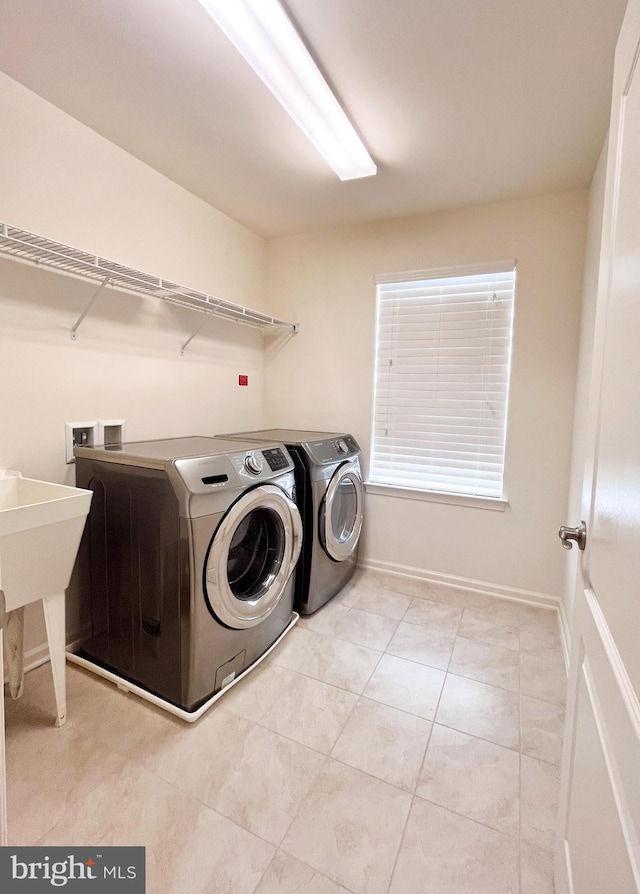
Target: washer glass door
x: 341, y: 513
x: 251, y: 557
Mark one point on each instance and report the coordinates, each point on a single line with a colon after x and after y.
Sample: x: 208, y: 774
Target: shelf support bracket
x: 74, y: 330
x: 191, y: 337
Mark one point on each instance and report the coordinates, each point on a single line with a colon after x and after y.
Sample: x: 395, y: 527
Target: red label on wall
x: 243, y: 380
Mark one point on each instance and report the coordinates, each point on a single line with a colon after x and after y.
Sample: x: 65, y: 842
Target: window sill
x: 432, y: 496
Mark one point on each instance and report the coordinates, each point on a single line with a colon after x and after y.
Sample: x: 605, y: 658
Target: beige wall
x: 61, y: 180
x: 323, y: 378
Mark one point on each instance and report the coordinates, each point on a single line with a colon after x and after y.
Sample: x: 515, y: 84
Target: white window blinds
x: 443, y: 350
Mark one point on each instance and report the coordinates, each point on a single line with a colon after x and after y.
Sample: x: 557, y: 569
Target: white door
x: 598, y: 849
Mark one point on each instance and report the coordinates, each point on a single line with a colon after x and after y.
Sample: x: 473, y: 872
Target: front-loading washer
x: 186, y: 565
x: 330, y: 496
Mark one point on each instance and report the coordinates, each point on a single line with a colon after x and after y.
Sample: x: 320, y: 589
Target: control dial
x: 254, y: 463
x: 341, y: 446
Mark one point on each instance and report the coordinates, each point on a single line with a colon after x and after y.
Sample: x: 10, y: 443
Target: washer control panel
x: 276, y: 459
x: 209, y: 474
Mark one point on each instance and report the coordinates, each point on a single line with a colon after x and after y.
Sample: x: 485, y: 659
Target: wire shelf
x: 21, y: 245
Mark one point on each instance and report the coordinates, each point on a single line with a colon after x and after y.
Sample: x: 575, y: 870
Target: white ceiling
x: 458, y: 101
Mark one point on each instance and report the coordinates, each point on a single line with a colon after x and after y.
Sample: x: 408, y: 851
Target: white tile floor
x: 404, y: 739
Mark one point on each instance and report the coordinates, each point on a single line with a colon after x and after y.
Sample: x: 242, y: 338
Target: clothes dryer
x: 186, y: 563
x: 330, y: 497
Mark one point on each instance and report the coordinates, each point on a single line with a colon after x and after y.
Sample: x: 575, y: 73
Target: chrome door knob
x: 579, y: 534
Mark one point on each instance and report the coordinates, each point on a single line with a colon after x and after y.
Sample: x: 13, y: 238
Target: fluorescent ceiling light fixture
x: 264, y: 35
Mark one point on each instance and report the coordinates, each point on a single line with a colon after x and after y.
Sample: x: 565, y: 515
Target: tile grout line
x: 328, y: 756
x: 360, y: 695
x: 413, y: 795
x: 471, y: 819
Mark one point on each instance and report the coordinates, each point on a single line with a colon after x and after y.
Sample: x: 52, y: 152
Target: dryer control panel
x: 331, y: 450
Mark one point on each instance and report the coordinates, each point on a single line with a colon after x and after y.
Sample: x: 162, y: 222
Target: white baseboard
x: 530, y: 597
x: 36, y: 656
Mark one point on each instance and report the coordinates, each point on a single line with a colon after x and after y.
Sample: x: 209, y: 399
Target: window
x: 443, y: 350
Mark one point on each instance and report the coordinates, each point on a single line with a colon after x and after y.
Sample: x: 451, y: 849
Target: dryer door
x: 251, y: 557
x: 341, y: 513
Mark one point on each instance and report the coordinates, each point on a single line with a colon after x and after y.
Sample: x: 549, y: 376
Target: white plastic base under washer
x: 189, y: 716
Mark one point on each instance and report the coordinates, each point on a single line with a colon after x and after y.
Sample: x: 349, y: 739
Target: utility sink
x: 40, y: 529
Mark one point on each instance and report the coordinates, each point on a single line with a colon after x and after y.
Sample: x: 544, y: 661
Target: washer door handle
x: 296, y: 528
x: 339, y: 551
x: 221, y: 599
